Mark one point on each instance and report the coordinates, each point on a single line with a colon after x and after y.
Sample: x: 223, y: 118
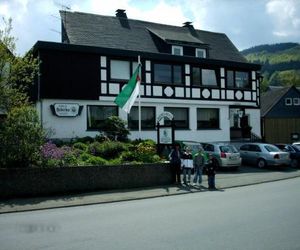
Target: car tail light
x: 276, y: 156
x: 223, y: 155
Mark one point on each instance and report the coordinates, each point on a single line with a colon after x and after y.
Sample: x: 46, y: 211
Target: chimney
x: 188, y: 24
x: 121, y: 13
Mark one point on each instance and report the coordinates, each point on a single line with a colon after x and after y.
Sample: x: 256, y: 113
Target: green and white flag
x: 128, y: 95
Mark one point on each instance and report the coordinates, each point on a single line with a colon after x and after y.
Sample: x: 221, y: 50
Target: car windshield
x: 228, y: 149
x: 297, y: 149
x: 271, y: 148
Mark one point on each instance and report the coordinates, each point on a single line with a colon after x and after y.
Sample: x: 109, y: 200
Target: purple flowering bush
x: 53, y: 155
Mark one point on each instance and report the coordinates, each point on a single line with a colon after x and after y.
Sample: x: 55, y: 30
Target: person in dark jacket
x: 211, y: 172
x: 175, y: 160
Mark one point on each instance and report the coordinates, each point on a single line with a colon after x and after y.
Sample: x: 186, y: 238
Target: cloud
x: 285, y: 16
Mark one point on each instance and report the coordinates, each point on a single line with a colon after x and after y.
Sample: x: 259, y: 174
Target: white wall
x: 254, y: 121
x: 70, y: 127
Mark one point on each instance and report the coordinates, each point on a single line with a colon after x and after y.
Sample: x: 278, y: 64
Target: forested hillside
x: 280, y: 63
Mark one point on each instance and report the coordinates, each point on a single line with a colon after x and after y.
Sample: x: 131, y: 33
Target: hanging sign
x: 165, y: 114
x: 66, y: 109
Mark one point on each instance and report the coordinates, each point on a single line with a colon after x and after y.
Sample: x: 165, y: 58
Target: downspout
x: 39, y: 91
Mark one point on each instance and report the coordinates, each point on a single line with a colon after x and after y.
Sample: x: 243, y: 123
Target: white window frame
x: 296, y: 101
x: 174, y: 48
x: 288, y: 102
x: 203, y: 52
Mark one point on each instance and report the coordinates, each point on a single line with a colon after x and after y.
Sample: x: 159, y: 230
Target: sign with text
x: 66, y: 109
x: 165, y: 135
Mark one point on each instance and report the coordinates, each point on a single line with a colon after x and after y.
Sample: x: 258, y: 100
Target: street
x: 264, y: 216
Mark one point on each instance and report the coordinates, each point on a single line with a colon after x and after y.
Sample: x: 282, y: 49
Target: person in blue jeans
x: 187, y: 165
x: 211, y: 172
x: 198, y: 163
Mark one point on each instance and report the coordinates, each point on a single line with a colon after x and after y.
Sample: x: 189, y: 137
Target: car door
x: 244, y: 152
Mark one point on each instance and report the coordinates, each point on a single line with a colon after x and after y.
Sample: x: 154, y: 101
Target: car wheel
x: 294, y: 163
x: 261, y: 163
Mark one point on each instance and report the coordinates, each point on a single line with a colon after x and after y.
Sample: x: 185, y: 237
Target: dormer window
x: 177, y: 50
x: 201, y: 53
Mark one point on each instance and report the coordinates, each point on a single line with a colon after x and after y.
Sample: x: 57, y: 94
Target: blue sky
x: 246, y: 22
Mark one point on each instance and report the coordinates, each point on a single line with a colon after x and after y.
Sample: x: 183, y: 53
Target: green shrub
x: 129, y: 156
x: 80, y: 146
x: 107, y: 150
x: 96, y: 160
x: 21, y: 138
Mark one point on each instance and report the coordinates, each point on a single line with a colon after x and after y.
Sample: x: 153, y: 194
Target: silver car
x: 262, y: 155
x: 227, y: 155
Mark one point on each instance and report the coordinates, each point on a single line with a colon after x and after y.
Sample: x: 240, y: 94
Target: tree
x: 21, y: 138
x: 16, y: 73
x: 115, y: 128
x: 21, y: 134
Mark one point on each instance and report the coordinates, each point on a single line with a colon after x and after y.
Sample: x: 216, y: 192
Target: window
x: 119, y: 69
x: 196, y: 76
x: 177, y: 50
x: 207, y: 77
x: 241, y: 79
x: 296, y: 101
x: 122, y: 70
x: 181, y: 117
x: 166, y: 73
x: 97, y: 114
x: 208, y: 118
x: 201, y: 53
x: 147, y: 118
x: 288, y: 101
x: 230, y: 79
x: 237, y: 79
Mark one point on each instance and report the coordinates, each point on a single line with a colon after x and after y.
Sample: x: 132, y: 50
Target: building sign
x: 66, y: 109
x: 165, y: 114
x: 165, y: 135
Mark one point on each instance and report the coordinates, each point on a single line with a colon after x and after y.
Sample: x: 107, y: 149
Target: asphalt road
x: 264, y: 216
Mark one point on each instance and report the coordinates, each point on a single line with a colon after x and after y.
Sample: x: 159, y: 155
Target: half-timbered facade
x: 198, y: 76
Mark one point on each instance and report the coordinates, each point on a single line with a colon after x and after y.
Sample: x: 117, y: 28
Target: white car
x: 262, y: 155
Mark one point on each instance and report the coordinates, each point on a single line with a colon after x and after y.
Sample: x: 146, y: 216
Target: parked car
x: 227, y: 155
x: 193, y: 145
x: 294, y: 152
x: 297, y: 144
x: 262, y: 155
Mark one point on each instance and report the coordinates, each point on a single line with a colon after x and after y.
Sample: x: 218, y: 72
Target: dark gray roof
x: 270, y: 98
x: 135, y: 35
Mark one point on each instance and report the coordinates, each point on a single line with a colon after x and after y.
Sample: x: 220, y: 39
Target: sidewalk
x: 245, y: 176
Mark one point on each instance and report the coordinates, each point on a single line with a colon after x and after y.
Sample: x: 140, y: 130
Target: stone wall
x: 29, y: 182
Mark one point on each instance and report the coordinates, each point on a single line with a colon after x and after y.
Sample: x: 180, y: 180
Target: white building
x: 198, y: 76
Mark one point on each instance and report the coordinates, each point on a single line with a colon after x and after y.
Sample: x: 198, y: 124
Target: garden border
x: 32, y: 182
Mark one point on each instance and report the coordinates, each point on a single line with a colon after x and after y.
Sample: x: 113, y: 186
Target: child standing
x: 211, y: 172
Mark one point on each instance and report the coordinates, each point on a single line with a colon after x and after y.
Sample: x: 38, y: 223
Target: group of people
x: 184, y: 162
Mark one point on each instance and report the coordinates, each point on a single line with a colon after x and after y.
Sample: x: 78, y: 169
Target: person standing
x: 187, y: 165
x: 175, y: 160
x: 211, y: 172
x: 198, y: 163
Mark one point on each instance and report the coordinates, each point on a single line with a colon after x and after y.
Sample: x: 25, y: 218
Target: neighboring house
x: 280, y: 114
x: 198, y: 76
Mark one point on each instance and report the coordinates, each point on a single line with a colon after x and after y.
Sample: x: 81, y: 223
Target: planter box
x: 29, y: 182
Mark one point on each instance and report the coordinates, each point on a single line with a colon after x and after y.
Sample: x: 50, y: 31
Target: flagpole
x: 140, y: 122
